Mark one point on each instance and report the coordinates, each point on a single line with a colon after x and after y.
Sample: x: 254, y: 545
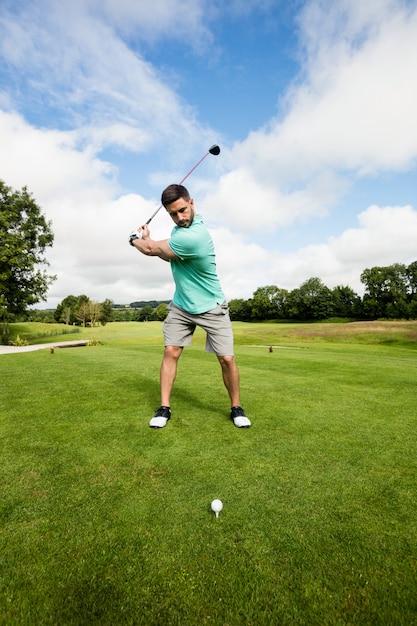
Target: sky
x: 103, y: 103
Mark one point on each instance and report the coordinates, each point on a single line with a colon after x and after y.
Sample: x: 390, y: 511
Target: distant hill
x: 141, y: 304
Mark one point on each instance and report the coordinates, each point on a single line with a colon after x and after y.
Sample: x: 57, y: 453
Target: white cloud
x: 385, y: 235
x: 241, y: 200
x: 49, y: 162
x: 367, y: 93
x: 165, y: 18
x: 353, y: 112
x: 78, y: 66
x: 91, y: 224
x: 350, y: 114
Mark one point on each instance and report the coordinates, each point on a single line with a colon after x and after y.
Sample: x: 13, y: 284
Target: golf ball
x: 217, y: 506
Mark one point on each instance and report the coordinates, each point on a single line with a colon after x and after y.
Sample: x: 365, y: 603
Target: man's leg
x: 167, y: 376
x: 168, y: 372
x: 230, y: 374
x: 231, y: 380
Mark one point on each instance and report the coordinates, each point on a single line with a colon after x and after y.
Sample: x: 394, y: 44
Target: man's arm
x: 149, y: 247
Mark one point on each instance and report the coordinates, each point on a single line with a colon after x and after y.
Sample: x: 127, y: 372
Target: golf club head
x: 215, y: 149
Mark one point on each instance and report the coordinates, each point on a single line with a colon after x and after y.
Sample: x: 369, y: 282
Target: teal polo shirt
x: 197, y: 286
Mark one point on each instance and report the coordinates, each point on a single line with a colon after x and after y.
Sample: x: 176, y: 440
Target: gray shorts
x: 179, y: 327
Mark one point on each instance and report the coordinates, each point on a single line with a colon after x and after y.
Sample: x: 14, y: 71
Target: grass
x: 106, y: 521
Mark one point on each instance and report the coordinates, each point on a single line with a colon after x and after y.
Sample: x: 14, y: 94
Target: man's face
x: 182, y: 212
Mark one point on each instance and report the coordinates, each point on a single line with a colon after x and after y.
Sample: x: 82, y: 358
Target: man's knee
x: 172, y: 352
x: 226, y: 361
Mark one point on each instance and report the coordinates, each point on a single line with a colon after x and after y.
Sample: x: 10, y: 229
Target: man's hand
x: 141, y: 233
x: 136, y: 234
x: 148, y: 246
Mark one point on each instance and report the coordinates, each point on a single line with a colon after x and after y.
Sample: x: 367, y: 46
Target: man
x: 198, y: 300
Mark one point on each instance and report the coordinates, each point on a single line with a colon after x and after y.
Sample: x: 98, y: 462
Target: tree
x: 24, y: 236
x: 240, y: 310
x: 123, y: 315
x: 67, y: 310
x: 83, y: 313
x: 161, y: 311
x: 412, y: 289
x: 89, y: 312
x: 46, y: 316
x: 147, y: 314
x: 311, y: 301
x: 269, y: 303
x: 385, y: 291
x: 95, y: 312
x: 411, y: 273
x: 346, y: 302
x: 106, y: 311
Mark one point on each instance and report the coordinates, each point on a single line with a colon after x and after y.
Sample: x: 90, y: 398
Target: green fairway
x: 106, y: 521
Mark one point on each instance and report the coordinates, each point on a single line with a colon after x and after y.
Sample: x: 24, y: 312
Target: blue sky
x: 103, y: 103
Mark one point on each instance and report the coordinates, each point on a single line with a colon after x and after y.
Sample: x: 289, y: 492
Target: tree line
x: 390, y: 292
x: 81, y: 311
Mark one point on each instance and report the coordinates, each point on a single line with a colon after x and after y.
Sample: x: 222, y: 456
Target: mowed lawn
x: 106, y: 521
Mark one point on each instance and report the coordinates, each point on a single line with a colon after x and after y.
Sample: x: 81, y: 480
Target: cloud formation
x: 84, y: 94
x: 351, y: 115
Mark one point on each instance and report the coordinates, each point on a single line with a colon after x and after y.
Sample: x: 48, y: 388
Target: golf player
x: 198, y: 300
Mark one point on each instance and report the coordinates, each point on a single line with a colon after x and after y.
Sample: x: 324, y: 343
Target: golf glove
x: 134, y: 235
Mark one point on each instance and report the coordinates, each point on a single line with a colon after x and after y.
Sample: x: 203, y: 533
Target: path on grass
x: 40, y: 346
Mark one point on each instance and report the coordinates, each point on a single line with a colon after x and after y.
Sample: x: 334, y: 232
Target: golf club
x: 215, y: 150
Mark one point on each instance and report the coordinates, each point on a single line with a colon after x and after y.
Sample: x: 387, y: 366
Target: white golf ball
x: 217, y: 506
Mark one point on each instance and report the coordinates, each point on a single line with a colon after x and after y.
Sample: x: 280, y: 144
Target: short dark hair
x: 173, y: 193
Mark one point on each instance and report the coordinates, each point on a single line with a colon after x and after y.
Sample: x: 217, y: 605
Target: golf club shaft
x: 194, y: 167
x: 180, y: 183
